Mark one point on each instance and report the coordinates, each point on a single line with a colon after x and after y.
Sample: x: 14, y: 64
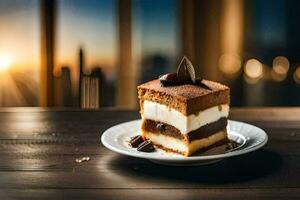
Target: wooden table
x: 38, y: 148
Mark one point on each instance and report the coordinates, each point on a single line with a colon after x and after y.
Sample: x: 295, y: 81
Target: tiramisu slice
x: 184, y: 116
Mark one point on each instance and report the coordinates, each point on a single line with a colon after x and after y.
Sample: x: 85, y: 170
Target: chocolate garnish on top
x: 186, y: 74
x: 168, y: 79
x: 186, y: 71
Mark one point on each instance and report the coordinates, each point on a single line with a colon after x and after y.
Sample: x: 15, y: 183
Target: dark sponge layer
x: 168, y: 130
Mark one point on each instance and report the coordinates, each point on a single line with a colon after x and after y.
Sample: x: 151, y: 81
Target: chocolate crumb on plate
x: 136, y: 141
x: 146, y: 146
x: 82, y: 159
x: 232, y: 145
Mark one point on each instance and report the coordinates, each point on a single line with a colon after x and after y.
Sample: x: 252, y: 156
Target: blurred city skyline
x: 89, y: 25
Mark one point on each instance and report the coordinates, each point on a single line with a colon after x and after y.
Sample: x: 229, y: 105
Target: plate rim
x: 182, y: 159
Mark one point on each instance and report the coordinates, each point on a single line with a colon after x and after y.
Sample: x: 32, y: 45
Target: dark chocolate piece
x: 232, y: 145
x: 186, y: 74
x: 185, y: 71
x: 146, y: 146
x: 136, y: 141
x: 168, y: 79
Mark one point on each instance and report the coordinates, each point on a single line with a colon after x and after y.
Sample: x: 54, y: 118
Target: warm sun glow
x: 5, y: 62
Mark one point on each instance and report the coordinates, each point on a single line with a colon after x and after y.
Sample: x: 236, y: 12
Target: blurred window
x: 89, y: 24
x: 19, y: 52
x: 155, y: 37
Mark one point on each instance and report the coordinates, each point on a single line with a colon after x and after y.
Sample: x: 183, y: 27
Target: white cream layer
x: 168, y: 142
x: 159, y: 112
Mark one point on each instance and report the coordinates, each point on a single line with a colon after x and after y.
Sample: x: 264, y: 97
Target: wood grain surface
x: 38, y: 148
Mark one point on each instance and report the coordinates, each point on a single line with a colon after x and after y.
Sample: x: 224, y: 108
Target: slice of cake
x: 184, y: 117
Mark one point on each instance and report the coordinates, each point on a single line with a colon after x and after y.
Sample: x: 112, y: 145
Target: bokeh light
x: 253, y: 69
x: 281, y: 65
x: 230, y: 64
x: 277, y: 76
x: 296, y: 75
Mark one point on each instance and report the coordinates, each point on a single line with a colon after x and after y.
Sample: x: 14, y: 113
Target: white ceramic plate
x: 250, y: 137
